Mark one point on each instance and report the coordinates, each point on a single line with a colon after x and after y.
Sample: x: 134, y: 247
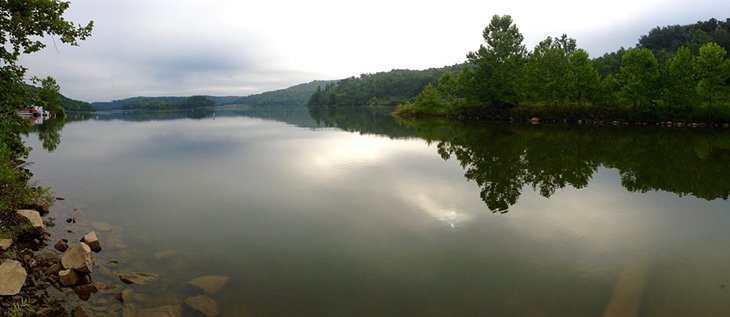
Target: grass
x: 21, y: 308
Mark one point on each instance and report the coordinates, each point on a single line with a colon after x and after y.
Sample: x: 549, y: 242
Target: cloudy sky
x: 227, y: 47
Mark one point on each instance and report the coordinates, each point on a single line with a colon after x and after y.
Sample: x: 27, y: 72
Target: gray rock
x: 5, y: 244
x: 12, y: 277
x: 77, y: 257
x: 32, y: 217
x: 203, y: 304
x: 68, y: 277
x: 210, y: 283
x: 137, y: 278
x: 91, y: 240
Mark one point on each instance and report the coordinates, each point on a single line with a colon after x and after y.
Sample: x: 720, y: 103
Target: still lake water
x: 354, y: 214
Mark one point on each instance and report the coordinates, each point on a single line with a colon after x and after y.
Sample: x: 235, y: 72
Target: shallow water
x: 353, y: 214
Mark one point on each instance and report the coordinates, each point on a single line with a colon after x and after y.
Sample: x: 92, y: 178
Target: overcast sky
x: 227, y: 47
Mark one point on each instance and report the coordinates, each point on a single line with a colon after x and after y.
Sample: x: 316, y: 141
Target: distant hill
x: 159, y: 103
x: 380, y: 89
x: 297, y: 95
x: 76, y: 105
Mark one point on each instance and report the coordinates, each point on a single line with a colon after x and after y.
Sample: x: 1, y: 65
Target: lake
x: 352, y: 213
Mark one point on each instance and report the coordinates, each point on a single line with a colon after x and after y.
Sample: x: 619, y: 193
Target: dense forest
x: 675, y: 73
x: 558, y: 80
x: 294, y: 96
x: 380, y: 89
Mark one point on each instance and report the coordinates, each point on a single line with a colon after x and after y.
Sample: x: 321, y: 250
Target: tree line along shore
x: 674, y: 74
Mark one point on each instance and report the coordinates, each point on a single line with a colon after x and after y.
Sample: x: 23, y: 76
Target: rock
x: 203, y: 304
x: 77, y: 257
x: 84, y: 291
x: 161, y: 311
x: 68, y: 277
x: 39, y: 205
x: 210, y: 283
x: 91, y: 240
x: 125, y: 296
x: 12, y: 277
x: 5, y: 244
x: 129, y: 310
x: 83, y: 311
x: 61, y: 245
x: 137, y: 278
x: 47, y: 258
x: 46, y: 312
x: 32, y: 217
x: 54, y: 269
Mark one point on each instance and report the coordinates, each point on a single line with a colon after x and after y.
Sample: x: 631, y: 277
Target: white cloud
x: 241, y: 47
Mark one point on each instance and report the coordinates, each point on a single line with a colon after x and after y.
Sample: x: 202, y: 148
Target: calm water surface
x: 353, y: 214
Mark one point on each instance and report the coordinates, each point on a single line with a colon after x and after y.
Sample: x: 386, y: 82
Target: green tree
x: 639, y: 73
x: 498, y: 64
x: 547, y: 70
x: 22, y: 25
x: 582, y: 79
x: 49, y: 96
x: 681, y: 81
x: 712, y: 71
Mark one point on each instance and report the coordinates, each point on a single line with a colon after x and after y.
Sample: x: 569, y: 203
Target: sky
x: 237, y: 48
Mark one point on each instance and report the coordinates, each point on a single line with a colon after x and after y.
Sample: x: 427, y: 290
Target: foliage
x: 157, y: 103
x: 557, y: 80
x: 712, y: 70
x: 294, y: 96
x: 498, y: 65
x: 21, y: 308
x: 663, y: 40
x: 379, y: 89
x: 49, y: 96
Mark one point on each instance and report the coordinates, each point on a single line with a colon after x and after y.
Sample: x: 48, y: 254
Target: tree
x: 582, y: 79
x: 712, y: 70
x: 22, y: 24
x: 681, y: 81
x: 547, y: 69
x: 639, y: 72
x: 49, y: 96
x: 498, y: 65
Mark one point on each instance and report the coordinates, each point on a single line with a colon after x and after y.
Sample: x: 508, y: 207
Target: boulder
x: 203, y: 304
x: 77, y: 257
x: 5, y: 244
x: 32, y: 217
x: 210, y: 283
x: 12, y: 277
x: 91, y: 240
x: 137, y: 278
x: 61, y: 245
x: 68, y: 277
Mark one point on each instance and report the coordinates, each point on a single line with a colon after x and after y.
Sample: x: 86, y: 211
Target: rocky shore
x: 52, y: 269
